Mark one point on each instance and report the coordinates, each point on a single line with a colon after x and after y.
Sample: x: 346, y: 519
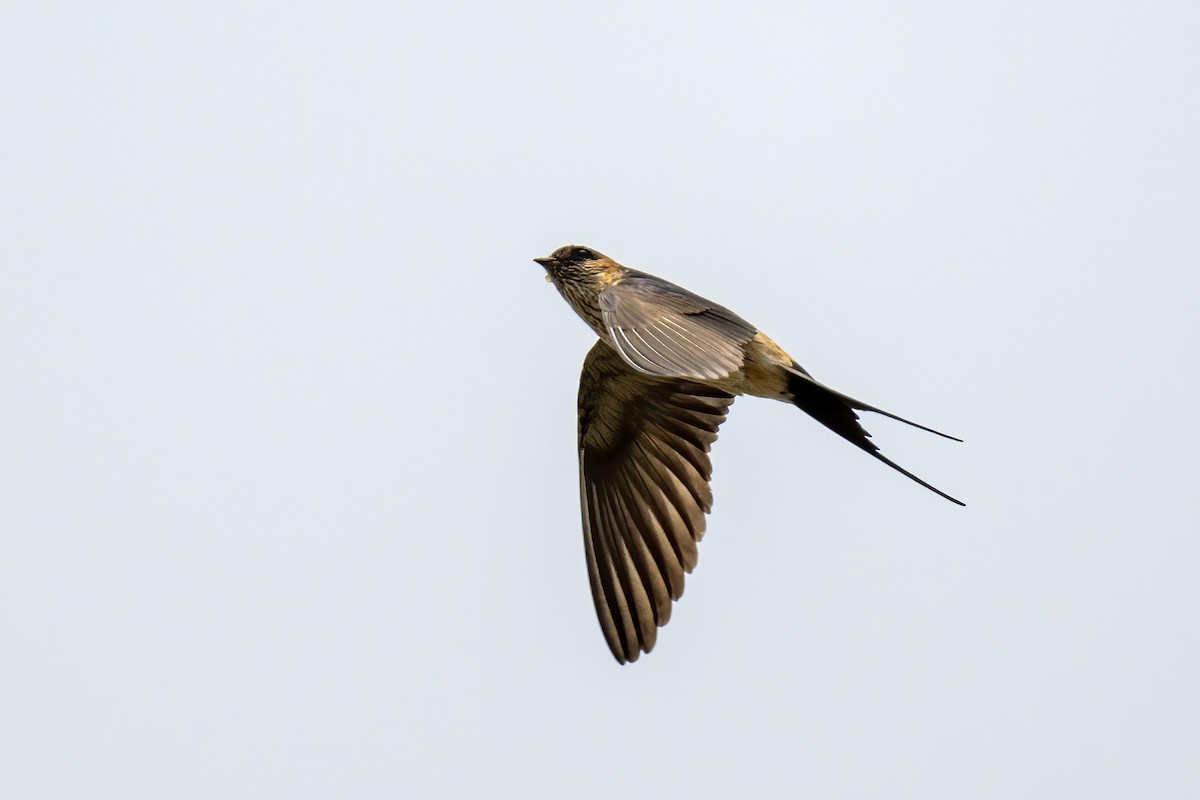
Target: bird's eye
x: 584, y: 254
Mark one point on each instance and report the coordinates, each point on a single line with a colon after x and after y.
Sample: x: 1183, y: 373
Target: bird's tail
x: 836, y: 411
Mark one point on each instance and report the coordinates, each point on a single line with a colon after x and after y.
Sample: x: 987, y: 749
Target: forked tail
x: 836, y: 411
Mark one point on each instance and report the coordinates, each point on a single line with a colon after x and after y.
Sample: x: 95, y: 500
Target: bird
x: 654, y: 389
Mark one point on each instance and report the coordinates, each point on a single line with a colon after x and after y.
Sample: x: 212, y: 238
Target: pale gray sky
x: 287, y: 471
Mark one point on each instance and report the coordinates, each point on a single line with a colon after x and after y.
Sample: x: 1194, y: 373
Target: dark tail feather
x: 836, y: 411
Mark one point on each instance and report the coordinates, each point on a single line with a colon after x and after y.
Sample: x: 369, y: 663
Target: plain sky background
x: 288, y: 488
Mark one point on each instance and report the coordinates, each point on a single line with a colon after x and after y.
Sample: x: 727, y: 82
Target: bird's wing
x: 644, y: 472
x: 662, y: 329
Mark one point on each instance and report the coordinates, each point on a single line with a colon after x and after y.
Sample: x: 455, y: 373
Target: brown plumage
x: 653, y: 391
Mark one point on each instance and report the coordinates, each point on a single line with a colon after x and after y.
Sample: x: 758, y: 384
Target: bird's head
x: 576, y: 263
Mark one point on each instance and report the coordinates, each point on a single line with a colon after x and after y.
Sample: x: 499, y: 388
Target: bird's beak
x: 549, y: 262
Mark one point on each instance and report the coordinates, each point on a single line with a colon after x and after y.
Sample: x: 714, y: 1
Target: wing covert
x: 661, y: 329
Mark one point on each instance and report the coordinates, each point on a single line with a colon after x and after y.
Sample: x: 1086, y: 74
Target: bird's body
x: 652, y: 394
x: 759, y: 373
